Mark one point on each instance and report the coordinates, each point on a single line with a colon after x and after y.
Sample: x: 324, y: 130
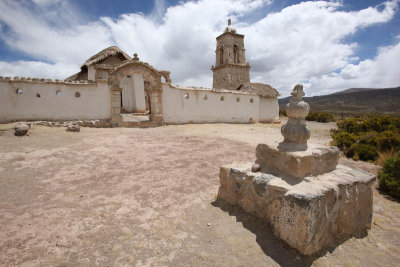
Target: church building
x: 121, y: 90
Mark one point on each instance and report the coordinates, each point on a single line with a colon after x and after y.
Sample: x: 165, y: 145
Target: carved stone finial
x: 135, y: 57
x: 298, y: 92
x: 229, y: 22
x: 295, y: 131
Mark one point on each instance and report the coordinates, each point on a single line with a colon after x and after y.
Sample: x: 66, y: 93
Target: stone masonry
x: 309, y: 201
x: 231, y: 69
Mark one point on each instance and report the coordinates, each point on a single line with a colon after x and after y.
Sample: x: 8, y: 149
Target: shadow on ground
x: 273, y: 247
x: 283, y: 254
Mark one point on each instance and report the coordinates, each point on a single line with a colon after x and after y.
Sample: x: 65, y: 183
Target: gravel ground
x: 111, y: 197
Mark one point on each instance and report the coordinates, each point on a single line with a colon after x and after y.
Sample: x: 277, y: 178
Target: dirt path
x: 147, y: 197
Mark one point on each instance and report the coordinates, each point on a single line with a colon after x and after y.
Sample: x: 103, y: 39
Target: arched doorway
x: 138, y: 87
x: 133, y: 94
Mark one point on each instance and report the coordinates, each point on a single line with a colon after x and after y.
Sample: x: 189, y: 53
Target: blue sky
x: 327, y: 45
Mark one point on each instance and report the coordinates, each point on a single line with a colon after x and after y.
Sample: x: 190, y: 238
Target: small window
x: 251, y: 120
x: 222, y: 98
x: 20, y: 91
x: 38, y: 95
x: 205, y: 97
x: 237, y: 99
x: 251, y: 100
x: 58, y: 93
x: 186, y: 95
x: 77, y: 94
x: 128, y: 76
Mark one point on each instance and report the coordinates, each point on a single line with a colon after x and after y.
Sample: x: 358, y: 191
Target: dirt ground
x: 144, y: 197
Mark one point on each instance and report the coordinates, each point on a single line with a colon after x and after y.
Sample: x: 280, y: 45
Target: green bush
x: 368, y: 138
x: 344, y: 140
x: 387, y: 140
x: 320, y: 117
x: 363, y: 137
x: 351, y: 125
x: 389, y: 176
x: 363, y: 152
x: 376, y: 123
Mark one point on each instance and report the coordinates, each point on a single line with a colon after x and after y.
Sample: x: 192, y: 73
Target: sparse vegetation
x: 314, y: 116
x: 320, y: 117
x: 371, y: 138
x: 384, y: 156
x: 389, y: 176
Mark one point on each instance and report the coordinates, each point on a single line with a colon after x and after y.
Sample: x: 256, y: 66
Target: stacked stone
x: 310, y: 201
x: 295, y: 131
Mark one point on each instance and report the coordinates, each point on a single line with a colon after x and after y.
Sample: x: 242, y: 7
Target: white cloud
x: 380, y: 72
x: 36, y: 69
x: 302, y: 42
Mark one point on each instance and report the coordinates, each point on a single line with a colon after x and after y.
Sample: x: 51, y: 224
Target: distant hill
x: 355, y: 101
x: 356, y: 90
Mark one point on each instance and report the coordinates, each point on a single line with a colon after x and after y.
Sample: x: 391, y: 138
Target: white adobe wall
x: 177, y: 109
x: 94, y: 101
x: 138, y: 82
x: 269, y: 109
x: 91, y: 73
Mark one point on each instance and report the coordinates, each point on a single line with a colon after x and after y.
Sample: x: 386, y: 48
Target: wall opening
x: 251, y: 100
x: 205, y: 97
x: 20, y: 91
x: 221, y: 55
x: 222, y: 98
x: 38, y: 95
x: 186, y: 96
x: 58, y: 93
x: 235, y: 54
x: 77, y: 94
x: 237, y: 99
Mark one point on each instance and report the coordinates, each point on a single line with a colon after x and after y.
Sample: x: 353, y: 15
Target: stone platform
x: 296, y: 164
x: 310, y: 214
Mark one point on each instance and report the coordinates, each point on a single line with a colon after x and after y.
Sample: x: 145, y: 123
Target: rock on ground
x: 73, y: 128
x: 21, y: 129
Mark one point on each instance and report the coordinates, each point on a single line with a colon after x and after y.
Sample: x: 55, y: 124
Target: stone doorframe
x: 154, y: 90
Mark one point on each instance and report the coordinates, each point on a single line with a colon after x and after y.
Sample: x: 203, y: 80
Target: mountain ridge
x: 354, y: 101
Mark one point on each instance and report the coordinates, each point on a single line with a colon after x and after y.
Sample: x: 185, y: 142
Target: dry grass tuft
x: 383, y: 156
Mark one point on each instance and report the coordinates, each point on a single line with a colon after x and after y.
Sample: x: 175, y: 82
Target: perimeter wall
x: 198, y: 105
x: 46, y: 99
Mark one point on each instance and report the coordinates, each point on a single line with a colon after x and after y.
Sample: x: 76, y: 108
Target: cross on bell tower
x: 231, y: 69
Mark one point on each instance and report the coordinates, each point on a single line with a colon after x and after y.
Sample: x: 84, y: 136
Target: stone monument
x: 310, y: 201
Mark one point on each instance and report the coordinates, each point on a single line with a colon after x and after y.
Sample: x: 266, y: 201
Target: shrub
x: 376, y: 123
x: 363, y: 152
x: 320, y: 117
x: 387, y: 140
x: 349, y: 125
x: 368, y: 138
x: 389, y: 176
x: 344, y: 140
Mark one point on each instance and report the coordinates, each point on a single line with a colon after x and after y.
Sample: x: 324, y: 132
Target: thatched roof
x: 110, y: 51
x: 260, y: 89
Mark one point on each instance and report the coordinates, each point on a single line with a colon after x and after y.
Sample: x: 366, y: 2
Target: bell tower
x: 231, y: 69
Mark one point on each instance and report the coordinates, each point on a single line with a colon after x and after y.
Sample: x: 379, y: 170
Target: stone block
x: 158, y: 118
x: 116, y: 110
x: 116, y: 104
x: 297, y: 164
x: 314, y: 214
